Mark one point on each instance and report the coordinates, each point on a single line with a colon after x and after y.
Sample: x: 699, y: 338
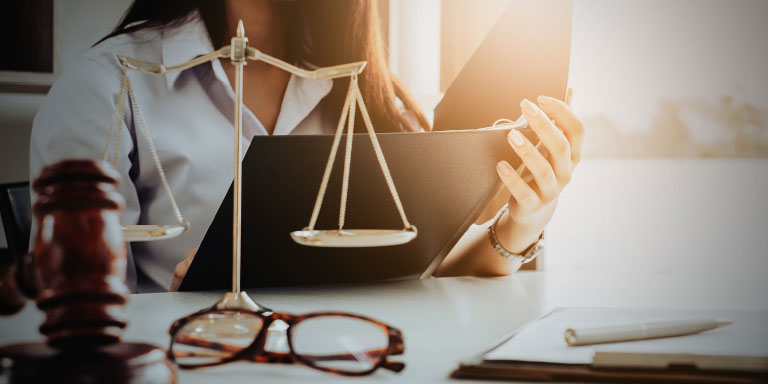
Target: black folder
x: 444, y: 179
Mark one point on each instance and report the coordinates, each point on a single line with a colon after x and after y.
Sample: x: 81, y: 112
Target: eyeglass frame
x: 256, y: 352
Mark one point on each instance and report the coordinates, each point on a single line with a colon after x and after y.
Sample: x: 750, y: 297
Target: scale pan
x: 354, y: 238
x: 152, y: 232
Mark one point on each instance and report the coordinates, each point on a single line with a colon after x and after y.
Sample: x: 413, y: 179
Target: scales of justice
x: 238, y: 52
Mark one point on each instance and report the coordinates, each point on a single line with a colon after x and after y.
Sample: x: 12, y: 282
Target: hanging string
x: 380, y: 157
x: 331, y: 160
x: 353, y: 101
x: 114, y: 142
x: 118, y: 114
x: 347, y: 157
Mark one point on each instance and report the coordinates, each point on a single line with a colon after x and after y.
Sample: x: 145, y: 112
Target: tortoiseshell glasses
x: 335, y: 342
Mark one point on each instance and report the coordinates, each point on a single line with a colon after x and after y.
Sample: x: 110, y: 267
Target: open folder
x: 444, y: 179
x: 538, y: 351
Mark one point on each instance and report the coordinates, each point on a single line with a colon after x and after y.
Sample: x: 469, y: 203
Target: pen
x: 640, y: 331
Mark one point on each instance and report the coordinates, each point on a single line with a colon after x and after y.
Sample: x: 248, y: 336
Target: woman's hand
x: 181, y: 270
x: 532, y: 194
x: 532, y: 203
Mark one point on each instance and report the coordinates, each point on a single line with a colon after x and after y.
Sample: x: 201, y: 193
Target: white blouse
x: 190, y: 117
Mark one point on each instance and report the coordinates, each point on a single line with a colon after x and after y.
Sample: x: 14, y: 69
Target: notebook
x: 538, y: 351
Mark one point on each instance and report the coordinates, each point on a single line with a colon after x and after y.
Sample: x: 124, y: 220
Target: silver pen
x: 640, y: 331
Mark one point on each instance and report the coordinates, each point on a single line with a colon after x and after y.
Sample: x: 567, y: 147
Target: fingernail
x: 504, y: 168
x: 544, y: 100
x: 516, y: 138
x: 529, y: 109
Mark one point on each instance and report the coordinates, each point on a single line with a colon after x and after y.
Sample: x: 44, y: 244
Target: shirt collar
x: 301, y: 97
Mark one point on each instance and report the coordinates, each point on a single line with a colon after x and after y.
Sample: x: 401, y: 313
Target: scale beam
x: 325, y: 73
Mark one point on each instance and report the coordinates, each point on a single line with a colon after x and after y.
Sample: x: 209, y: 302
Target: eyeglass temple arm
x: 230, y: 348
x: 274, y: 357
x: 267, y: 357
x: 286, y: 358
x: 336, y: 71
x: 280, y: 357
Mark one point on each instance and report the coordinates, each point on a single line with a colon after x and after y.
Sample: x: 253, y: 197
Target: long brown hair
x: 320, y: 33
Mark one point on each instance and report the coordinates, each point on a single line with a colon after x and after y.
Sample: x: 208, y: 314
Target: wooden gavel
x: 76, y: 275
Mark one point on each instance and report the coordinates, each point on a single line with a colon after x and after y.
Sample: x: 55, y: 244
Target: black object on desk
x: 444, y: 179
x: 16, y: 214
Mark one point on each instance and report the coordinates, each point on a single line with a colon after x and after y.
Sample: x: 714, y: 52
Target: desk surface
x: 443, y: 320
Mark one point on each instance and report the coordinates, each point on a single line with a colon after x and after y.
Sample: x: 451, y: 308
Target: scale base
x: 239, y: 300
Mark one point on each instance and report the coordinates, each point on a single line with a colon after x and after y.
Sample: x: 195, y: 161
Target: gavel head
x: 78, y: 261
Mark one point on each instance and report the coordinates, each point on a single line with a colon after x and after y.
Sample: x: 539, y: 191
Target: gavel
x: 76, y: 276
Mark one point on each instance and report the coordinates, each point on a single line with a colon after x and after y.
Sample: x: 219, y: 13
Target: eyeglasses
x: 335, y: 342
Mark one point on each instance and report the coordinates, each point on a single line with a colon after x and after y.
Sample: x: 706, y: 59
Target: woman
x: 190, y: 116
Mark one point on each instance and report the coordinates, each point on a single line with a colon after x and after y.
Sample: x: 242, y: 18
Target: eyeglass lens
x: 213, y: 337
x: 340, y: 343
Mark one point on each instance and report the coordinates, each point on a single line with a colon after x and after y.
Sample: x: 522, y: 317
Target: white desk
x: 694, y: 217
x: 649, y: 221
x: 443, y: 320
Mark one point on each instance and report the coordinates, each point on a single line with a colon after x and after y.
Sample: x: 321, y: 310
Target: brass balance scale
x: 238, y: 52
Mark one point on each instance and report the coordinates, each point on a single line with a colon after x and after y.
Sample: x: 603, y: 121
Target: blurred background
x: 652, y: 78
x: 674, y: 96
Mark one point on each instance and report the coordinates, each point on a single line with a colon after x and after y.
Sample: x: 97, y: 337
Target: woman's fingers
x: 524, y: 195
x: 571, y: 125
x: 181, y: 270
x: 536, y: 163
x: 555, y: 141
